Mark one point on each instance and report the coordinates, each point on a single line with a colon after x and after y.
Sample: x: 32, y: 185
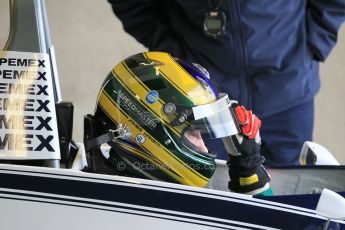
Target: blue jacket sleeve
x: 147, y: 21
x: 324, y: 18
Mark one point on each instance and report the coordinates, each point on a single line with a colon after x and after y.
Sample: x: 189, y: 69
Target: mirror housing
x: 315, y: 154
x: 331, y: 205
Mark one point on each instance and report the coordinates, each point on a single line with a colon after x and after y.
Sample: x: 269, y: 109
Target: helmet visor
x: 213, y: 120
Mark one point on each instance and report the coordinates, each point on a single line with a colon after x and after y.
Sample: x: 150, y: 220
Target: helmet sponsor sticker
x: 143, y: 116
x: 152, y: 97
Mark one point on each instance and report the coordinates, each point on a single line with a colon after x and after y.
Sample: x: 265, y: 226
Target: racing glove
x: 247, y: 174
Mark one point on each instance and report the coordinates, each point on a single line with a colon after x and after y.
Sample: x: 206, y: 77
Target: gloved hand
x: 246, y: 172
x: 249, y: 123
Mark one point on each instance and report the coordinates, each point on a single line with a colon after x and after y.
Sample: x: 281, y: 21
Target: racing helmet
x: 159, y: 108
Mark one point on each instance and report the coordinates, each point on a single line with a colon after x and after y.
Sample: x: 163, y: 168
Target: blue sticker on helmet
x: 152, y: 97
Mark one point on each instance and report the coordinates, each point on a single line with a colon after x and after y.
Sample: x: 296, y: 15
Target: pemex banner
x: 28, y: 128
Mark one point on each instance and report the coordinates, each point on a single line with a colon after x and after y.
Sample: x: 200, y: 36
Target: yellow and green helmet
x: 160, y: 99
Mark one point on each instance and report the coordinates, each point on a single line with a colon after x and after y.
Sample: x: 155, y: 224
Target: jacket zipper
x: 241, y: 54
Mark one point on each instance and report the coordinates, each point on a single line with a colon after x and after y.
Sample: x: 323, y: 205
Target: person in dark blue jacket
x: 266, y: 55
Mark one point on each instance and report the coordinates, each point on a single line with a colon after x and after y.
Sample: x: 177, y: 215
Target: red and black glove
x: 246, y: 171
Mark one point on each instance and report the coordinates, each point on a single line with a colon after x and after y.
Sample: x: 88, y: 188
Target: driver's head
x: 169, y: 106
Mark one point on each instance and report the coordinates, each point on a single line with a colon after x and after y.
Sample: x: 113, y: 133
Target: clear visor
x: 214, y: 120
